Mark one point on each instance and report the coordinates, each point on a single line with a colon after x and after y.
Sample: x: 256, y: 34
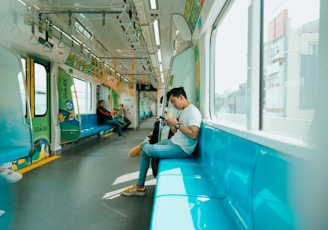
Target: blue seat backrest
x: 212, y: 147
x: 88, y: 121
x: 218, y: 162
x: 240, y: 162
x: 94, y: 120
x: 15, y: 134
x: 270, y: 192
x: 205, y: 140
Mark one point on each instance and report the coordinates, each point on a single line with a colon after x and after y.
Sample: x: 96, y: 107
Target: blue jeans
x: 164, y: 149
x: 116, y: 124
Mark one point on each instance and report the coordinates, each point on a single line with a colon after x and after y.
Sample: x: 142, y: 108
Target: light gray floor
x: 81, y: 189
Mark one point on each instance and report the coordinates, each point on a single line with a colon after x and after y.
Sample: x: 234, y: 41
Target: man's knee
x: 145, y: 155
x: 147, y: 149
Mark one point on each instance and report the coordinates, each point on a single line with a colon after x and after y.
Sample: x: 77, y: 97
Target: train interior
x: 72, y: 54
x: 255, y: 69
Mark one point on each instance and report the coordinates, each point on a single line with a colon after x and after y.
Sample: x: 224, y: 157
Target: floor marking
x: 37, y: 164
x: 107, y: 134
x: 115, y: 210
x: 128, y: 177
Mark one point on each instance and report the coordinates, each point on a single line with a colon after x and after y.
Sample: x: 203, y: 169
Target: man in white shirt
x: 181, y: 145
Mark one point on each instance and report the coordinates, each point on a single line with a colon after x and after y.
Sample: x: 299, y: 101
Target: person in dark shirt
x: 105, y: 118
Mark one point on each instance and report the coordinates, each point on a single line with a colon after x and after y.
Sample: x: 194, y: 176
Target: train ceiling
x: 118, y: 32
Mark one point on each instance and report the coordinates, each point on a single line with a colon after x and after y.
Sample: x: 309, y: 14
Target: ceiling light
x: 156, y: 32
x: 22, y: 2
x: 159, y: 56
x: 153, y: 4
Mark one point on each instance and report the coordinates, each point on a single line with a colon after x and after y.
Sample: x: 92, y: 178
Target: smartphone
x: 162, y: 117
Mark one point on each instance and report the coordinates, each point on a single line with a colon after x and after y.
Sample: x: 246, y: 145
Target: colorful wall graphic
x: 192, y: 12
x: 68, y: 120
x: 197, y: 70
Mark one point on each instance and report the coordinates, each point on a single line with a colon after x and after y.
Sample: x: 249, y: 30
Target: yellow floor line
x: 38, y: 164
x: 107, y: 134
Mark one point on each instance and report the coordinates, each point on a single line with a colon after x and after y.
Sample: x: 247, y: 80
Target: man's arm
x: 103, y: 112
x: 190, y: 131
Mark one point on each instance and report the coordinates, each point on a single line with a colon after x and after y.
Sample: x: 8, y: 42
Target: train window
x: 40, y: 92
x: 83, y: 94
x: 290, y: 65
x: 230, y: 67
x: 22, y: 80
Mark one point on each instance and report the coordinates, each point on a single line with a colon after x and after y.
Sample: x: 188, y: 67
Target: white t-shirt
x: 190, y: 116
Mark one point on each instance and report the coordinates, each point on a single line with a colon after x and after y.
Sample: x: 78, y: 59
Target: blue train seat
x: 224, y: 187
x: 16, y: 139
x: 89, y: 125
x: 270, y: 192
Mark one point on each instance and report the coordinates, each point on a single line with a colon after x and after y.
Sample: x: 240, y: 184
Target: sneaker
x: 134, y: 190
x: 135, y: 151
x: 120, y: 137
x: 11, y: 176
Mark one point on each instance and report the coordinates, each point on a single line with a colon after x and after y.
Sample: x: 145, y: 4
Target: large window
x: 290, y: 65
x: 230, y: 67
x: 40, y: 92
x: 287, y: 81
x: 22, y: 81
x: 83, y: 104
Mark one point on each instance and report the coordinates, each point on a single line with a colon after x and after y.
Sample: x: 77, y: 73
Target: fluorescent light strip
x: 153, y: 4
x: 159, y: 56
x: 156, y: 32
x: 23, y: 3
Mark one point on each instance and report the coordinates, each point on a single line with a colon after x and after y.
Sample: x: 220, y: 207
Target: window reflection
x: 22, y: 80
x: 290, y: 65
x: 40, y: 89
x: 83, y: 92
x: 231, y: 65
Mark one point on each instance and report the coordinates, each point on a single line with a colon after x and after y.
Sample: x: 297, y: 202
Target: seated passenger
x: 105, y: 118
x: 181, y: 145
x: 126, y: 121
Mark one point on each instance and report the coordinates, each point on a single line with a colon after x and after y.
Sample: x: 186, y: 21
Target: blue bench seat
x: 16, y: 140
x: 191, y: 212
x: 89, y: 125
x: 224, y: 187
x: 9, y: 153
x: 184, y: 166
x: 186, y: 186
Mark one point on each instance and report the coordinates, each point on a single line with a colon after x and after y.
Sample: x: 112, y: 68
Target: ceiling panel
x: 112, y: 25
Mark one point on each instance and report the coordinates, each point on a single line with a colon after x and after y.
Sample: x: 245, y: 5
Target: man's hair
x: 176, y: 92
x: 100, y: 101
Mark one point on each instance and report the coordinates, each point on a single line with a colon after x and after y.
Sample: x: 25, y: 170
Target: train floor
x: 81, y: 189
